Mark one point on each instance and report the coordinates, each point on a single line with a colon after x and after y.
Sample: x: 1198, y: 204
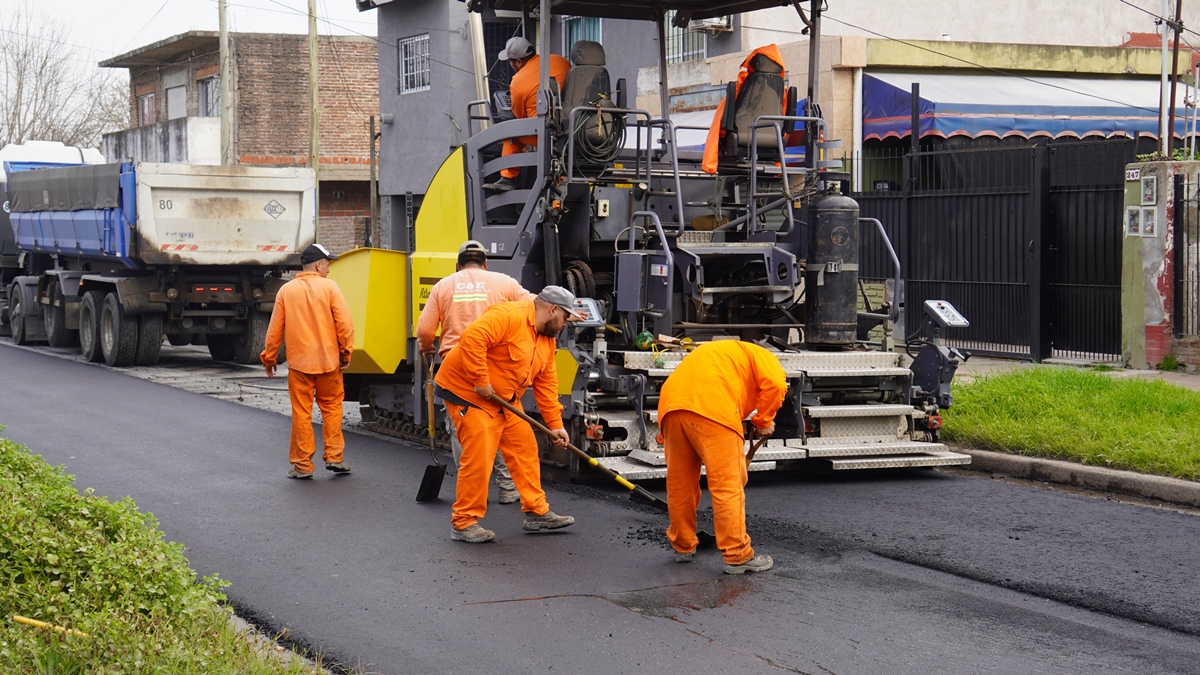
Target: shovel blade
x: 431, y: 482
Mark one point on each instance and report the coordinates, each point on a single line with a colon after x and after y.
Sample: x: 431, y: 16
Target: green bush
x: 103, y: 569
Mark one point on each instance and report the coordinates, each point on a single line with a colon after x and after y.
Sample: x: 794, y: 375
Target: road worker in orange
x: 523, y: 89
x: 311, y: 315
x: 700, y: 410
x: 510, y: 347
x: 454, y: 302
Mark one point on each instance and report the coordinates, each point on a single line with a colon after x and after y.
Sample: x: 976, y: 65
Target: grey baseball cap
x: 516, y: 48
x: 560, y: 297
x: 471, y: 245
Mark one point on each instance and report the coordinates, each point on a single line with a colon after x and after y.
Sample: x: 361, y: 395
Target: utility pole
x: 1164, y: 140
x: 314, y: 119
x: 1178, y: 26
x: 226, y: 86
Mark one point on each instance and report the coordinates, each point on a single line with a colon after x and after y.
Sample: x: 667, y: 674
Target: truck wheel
x: 16, y: 322
x: 248, y: 345
x: 118, y: 333
x: 57, y: 333
x: 149, y: 339
x: 89, y: 326
x: 220, y: 347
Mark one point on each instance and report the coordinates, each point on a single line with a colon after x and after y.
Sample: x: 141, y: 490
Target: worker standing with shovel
x: 510, y: 347
x: 700, y: 412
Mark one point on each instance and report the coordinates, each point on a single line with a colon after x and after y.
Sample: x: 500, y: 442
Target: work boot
x: 759, y: 563
x: 684, y: 557
x: 502, y: 185
x: 296, y: 474
x: 508, y: 496
x: 472, y: 534
x: 546, y: 521
x: 338, y: 468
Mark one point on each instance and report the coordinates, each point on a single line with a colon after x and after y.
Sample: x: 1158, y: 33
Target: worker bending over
x: 523, y: 90
x: 311, y: 315
x: 700, y: 411
x: 508, y: 348
x: 454, y: 302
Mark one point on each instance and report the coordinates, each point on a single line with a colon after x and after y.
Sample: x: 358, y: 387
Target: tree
x: 47, y: 93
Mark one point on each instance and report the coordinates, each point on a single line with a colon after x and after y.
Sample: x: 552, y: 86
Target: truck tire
x: 149, y: 339
x: 5, y: 328
x: 89, y: 326
x: 220, y: 347
x: 118, y: 333
x: 248, y: 345
x: 57, y: 333
x: 16, y: 321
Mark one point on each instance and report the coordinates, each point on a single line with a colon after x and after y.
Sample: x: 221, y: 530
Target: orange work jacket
x: 724, y: 381
x: 457, y: 300
x: 525, y: 83
x: 503, y: 348
x: 715, y: 131
x: 311, y: 315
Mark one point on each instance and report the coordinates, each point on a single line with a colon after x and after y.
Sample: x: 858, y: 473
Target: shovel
x: 753, y: 449
x: 636, y: 492
x: 431, y: 482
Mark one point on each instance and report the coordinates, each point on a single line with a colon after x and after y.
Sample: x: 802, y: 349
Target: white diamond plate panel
x: 695, y: 237
x: 852, y: 372
x: 873, y: 449
x: 883, y: 428
x: 631, y: 470
x: 859, y: 410
x: 837, y: 360
x: 934, y: 459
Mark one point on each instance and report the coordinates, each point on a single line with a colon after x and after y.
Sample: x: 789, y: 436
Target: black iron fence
x: 1187, y: 257
x: 1024, y: 239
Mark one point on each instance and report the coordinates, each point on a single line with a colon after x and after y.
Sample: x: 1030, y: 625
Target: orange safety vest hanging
x: 715, y: 131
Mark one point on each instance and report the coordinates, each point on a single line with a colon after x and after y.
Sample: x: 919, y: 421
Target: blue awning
x: 1002, y: 106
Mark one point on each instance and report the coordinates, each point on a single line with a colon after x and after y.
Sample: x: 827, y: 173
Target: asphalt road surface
x: 908, y: 572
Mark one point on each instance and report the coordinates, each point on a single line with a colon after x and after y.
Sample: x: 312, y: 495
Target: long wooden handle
x: 754, y: 448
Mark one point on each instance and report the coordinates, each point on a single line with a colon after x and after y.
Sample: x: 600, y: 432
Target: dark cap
x: 314, y: 253
x: 560, y: 297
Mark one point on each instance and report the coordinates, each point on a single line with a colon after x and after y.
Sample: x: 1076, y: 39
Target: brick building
x: 175, y: 101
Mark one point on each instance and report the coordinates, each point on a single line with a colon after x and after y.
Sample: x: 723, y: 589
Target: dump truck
x: 116, y: 257
x: 663, y: 255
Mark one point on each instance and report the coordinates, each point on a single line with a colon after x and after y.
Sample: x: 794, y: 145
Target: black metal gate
x: 1025, y: 240
x: 1187, y: 257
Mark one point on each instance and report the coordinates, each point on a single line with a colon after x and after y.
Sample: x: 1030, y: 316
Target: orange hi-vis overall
x: 700, y: 410
x: 501, y: 348
x: 311, y: 315
x: 457, y: 300
x: 524, y: 89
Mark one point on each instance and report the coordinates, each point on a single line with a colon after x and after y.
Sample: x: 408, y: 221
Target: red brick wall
x: 273, y: 98
x: 345, y: 208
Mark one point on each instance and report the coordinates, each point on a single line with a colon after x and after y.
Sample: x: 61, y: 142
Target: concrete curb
x: 1164, y: 489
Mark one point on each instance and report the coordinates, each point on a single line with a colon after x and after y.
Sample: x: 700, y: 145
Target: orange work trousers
x: 512, y: 146
x: 692, y: 440
x: 329, y: 392
x: 480, y: 433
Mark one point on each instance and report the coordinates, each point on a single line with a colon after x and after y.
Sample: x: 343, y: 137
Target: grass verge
x: 1088, y: 417
x: 104, y: 571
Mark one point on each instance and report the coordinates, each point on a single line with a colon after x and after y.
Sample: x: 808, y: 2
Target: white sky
x: 100, y: 29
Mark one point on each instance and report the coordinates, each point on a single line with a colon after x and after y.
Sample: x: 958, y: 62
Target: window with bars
x: 682, y: 44
x: 209, y: 96
x: 413, y: 55
x: 576, y: 28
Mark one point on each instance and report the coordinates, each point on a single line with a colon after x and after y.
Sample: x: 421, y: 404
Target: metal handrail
x: 662, y: 236
x: 895, y: 313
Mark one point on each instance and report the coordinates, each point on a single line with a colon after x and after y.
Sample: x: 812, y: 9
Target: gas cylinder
x: 831, y: 274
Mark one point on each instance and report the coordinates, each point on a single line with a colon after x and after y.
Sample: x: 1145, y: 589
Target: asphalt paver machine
x: 665, y: 255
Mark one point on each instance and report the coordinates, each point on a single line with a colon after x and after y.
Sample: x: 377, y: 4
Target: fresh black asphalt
x: 908, y: 572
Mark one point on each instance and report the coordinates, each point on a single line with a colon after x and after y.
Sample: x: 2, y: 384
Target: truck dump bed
x: 166, y: 214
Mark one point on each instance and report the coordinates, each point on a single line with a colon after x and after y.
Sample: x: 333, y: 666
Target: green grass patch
x: 81, y: 562
x: 1081, y: 415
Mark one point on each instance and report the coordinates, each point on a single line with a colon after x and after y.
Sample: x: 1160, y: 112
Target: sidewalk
x: 1081, y: 476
